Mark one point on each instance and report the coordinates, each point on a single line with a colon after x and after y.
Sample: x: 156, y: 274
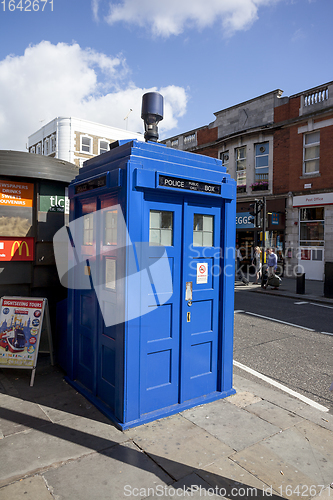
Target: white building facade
x: 76, y: 140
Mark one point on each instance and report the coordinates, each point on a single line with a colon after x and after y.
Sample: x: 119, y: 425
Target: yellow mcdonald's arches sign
x: 20, y: 246
x: 17, y: 249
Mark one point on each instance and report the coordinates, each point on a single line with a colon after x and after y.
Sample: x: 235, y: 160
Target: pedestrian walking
x: 272, y: 279
x: 239, y: 272
x: 256, y: 262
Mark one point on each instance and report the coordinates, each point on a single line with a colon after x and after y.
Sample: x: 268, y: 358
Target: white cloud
x: 94, y: 6
x: 66, y: 80
x: 171, y: 17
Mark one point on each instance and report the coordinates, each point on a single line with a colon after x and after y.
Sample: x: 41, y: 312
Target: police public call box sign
x: 189, y: 184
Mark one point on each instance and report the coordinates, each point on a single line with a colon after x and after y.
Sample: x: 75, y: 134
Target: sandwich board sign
x: 21, y: 321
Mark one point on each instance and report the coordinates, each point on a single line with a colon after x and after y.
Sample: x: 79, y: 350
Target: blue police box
x: 151, y: 281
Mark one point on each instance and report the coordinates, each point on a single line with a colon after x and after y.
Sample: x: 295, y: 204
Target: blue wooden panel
x: 201, y: 359
x: 108, y: 365
x: 201, y: 316
x: 159, y: 366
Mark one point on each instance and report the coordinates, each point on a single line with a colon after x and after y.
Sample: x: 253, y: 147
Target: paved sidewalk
x: 257, y: 443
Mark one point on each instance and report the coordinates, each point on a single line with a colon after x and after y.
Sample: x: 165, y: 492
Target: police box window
x: 110, y: 227
x: 160, y: 228
x: 203, y: 230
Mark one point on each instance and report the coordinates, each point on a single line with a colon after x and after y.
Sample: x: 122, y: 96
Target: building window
x: 311, y: 153
x: 53, y: 143
x: 203, y: 230
x: 311, y: 221
x: 46, y: 147
x: 174, y: 143
x: 103, y: 146
x: 261, y: 161
x: 189, y: 138
x: 39, y: 149
x: 32, y: 150
x: 161, y: 228
x: 225, y: 160
x: 241, y: 165
x: 86, y: 144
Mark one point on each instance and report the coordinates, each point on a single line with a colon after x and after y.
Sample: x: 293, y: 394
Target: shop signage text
x: 16, y: 194
x: 313, y: 200
x: 242, y: 221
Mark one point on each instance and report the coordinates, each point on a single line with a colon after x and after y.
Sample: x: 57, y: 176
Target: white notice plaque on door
x: 202, y: 272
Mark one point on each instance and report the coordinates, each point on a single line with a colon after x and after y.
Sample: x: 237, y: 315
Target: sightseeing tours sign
x: 21, y: 326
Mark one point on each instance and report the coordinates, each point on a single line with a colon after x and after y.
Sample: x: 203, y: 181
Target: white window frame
x: 307, y: 146
x: 46, y: 147
x: 240, y: 173
x: 53, y: 140
x: 39, y: 148
x: 257, y: 169
x: 99, y: 145
x: 84, y: 136
x: 32, y: 149
x: 224, y: 157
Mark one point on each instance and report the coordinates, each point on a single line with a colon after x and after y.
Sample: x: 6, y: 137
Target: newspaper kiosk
x: 151, y: 282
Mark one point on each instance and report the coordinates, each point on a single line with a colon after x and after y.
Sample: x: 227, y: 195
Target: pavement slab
x: 191, y: 486
x: 29, y: 415
x: 114, y: 474
x: 230, y: 477
x: 272, y: 469
x: 243, y: 398
x: 178, y: 445
x: 274, y: 414
x: 293, y: 460
x: 30, y: 488
x: 59, y: 407
x: 30, y: 451
x: 283, y: 400
x: 232, y: 425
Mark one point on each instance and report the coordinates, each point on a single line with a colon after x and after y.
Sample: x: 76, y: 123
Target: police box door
x: 200, y: 301
x: 179, y: 338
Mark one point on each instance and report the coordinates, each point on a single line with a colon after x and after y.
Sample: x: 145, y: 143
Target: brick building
x: 75, y: 140
x: 281, y: 148
x: 303, y: 175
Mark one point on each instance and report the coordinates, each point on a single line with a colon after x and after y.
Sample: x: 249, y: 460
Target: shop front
x: 248, y: 236
x: 314, y: 235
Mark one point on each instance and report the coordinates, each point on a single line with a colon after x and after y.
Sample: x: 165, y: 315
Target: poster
x: 16, y: 194
x: 202, y: 272
x: 21, y: 322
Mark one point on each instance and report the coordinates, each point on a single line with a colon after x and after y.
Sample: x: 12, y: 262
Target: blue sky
x: 94, y: 59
